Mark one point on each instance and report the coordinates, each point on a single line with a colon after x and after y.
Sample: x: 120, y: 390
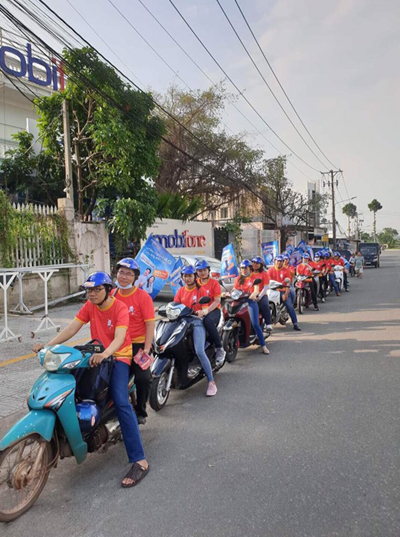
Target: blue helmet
x: 189, y: 269
x: 201, y: 264
x: 129, y: 263
x: 336, y: 254
x: 258, y: 259
x: 279, y: 258
x: 98, y: 278
x: 317, y: 255
x: 285, y: 256
x: 245, y: 264
x: 88, y: 415
x: 306, y: 256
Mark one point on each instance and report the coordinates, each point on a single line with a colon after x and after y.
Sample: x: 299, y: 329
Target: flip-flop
x: 136, y: 473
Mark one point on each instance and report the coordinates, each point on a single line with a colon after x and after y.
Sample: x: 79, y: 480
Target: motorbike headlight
x: 173, y: 312
x: 52, y: 360
x: 236, y: 293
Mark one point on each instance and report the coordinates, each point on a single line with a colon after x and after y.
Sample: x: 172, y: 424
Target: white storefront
x: 179, y: 238
x: 25, y: 73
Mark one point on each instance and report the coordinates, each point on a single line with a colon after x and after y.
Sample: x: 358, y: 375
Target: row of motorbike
x: 70, y: 413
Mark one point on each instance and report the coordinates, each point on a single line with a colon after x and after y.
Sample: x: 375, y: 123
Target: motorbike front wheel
x: 158, y: 392
x: 230, y: 345
x: 300, y: 301
x: 24, y: 469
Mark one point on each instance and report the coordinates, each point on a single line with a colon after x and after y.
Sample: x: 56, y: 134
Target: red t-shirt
x: 303, y: 270
x: 263, y: 276
x: 211, y: 288
x: 338, y: 262
x: 317, y: 265
x: 279, y: 275
x: 104, y: 321
x: 141, y: 311
x: 189, y: 296
x: 247, y: 286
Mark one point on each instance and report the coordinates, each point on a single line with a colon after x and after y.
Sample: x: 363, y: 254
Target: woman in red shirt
x: 263, y: 302
x: 189, y: 295
x: 245, y: 282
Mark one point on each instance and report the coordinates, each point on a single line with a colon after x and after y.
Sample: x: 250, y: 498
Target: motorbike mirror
x: 287, y: 280
x: 257, y: 281
x: 205, y: 300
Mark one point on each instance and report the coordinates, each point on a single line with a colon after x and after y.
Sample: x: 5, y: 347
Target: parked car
x: 215, y: 266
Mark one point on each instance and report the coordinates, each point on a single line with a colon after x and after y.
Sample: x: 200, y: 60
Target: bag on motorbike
x: 93, y: 383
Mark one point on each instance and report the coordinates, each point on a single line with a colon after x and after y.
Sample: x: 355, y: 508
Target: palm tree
x: 350, y: 210
x: 375, y: 206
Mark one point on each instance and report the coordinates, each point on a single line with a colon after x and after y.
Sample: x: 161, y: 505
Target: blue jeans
x: 289, y: 306
x: 199, y: 341
x: 333, y: 283
x: 254, y: 313
x: 210, y: 322
x: 127, y: 418
x: 263, y: 305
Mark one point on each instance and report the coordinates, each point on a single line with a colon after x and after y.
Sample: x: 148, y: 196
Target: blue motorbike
x: 70, y: 414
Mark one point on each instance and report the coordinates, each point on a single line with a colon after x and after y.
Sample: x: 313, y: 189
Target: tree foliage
x: 389, y: 236
x: 350, y: 210
x: 115, y: 139
x: 177, y: 206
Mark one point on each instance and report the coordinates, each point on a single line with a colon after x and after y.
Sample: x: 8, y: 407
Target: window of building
x: 224, y: 212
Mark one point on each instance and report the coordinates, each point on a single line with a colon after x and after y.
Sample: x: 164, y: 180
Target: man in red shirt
x: 109, y: 320
x: 338, y: 260
x: 141, y: 327
x: 304, y: 269
x: 319, y: 265
x: 279, y: 273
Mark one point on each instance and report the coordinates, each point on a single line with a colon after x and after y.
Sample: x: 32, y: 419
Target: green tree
x: 366, y: 237
x: 350, y: 210
x: 35, y: 177
x: 115, y: 141
x: 375, y: 206
x: 389, y: 236
x: 175, y: 205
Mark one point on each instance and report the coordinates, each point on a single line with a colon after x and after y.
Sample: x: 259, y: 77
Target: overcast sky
x: 339, y: 62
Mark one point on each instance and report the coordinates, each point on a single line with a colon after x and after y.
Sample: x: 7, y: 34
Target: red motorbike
x: 237, y: 330
x: 303, y: 293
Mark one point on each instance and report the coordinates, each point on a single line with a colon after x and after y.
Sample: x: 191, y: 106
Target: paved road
x: 301, y: 443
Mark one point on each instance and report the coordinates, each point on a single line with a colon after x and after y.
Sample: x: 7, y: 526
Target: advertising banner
x: 175, y: 279
x: 179, y: 238
x: 156, y: 265
x: 229, y: 268
x: 269, y: 251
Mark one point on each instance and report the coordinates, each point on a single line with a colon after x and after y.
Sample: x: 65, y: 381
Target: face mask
x: 120, y: 286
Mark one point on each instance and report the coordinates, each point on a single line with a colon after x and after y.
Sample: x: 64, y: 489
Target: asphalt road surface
x: 304, y: 442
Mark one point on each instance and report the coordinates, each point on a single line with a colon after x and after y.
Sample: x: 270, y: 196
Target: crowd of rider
x: 123, y: 318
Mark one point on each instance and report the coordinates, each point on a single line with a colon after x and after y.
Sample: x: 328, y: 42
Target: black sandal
x: 136, y: 473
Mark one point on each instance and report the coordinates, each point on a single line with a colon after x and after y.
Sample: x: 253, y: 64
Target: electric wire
x: 266, y: 83
x: 279, y: 82
x: 238, y: 89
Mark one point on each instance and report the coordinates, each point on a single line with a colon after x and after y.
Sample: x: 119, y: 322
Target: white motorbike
x: 339, y: 276
x: 278, y: 310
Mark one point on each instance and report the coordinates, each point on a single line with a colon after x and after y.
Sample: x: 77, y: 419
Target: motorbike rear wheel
x: 24, y: 470
x: 230, y: 345
x: 158, y: 394
x: 300, y: 299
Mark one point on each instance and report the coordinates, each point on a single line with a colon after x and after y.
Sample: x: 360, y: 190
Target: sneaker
x: 211, y: 389
x: 220, y: 357
x: 347, y: 291
x: 269, y: 328
x: 141, y: 420
x: 323, y: 300
x: 296, y: 327
x: 316, y: 308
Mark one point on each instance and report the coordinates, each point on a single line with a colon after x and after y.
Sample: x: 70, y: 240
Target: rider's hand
x: 97, y: 358
x: 201, y: 313
x: 38, y: 347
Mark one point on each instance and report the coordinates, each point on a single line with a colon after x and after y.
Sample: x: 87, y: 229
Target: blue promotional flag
x: 295, y: 257
x: 229, y: 268
x: 175, y: 279
x: 310, y: 251
x: 302, y: 246
x: 156, y: 265
x: 269, y: 251
x: 289, y: 249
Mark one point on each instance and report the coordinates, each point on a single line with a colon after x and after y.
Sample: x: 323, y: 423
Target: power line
x: 237, y: 88
x: 214, y: 84
x: 266, y: 83
x: 277, y: 79
x: 20, y: 25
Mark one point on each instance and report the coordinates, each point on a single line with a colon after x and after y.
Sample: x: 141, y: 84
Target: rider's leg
x: 290, y: 309
x: 263, y: 305
x: 333, y: 283
x: 210, y: 322
x: 143, y: 380
x: 199, y: 341
x: 313, y: 289
x: 129, y: 425
x: 254, y: 313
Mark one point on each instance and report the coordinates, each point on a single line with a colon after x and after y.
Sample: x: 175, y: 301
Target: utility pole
x: 69, y: 187
x: 331, y: 183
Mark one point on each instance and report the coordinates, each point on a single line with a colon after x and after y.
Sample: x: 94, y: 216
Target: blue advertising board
x: 229, y: 268
x: 269, y: 251
x: 156, y: 265
x: 175, y: 279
